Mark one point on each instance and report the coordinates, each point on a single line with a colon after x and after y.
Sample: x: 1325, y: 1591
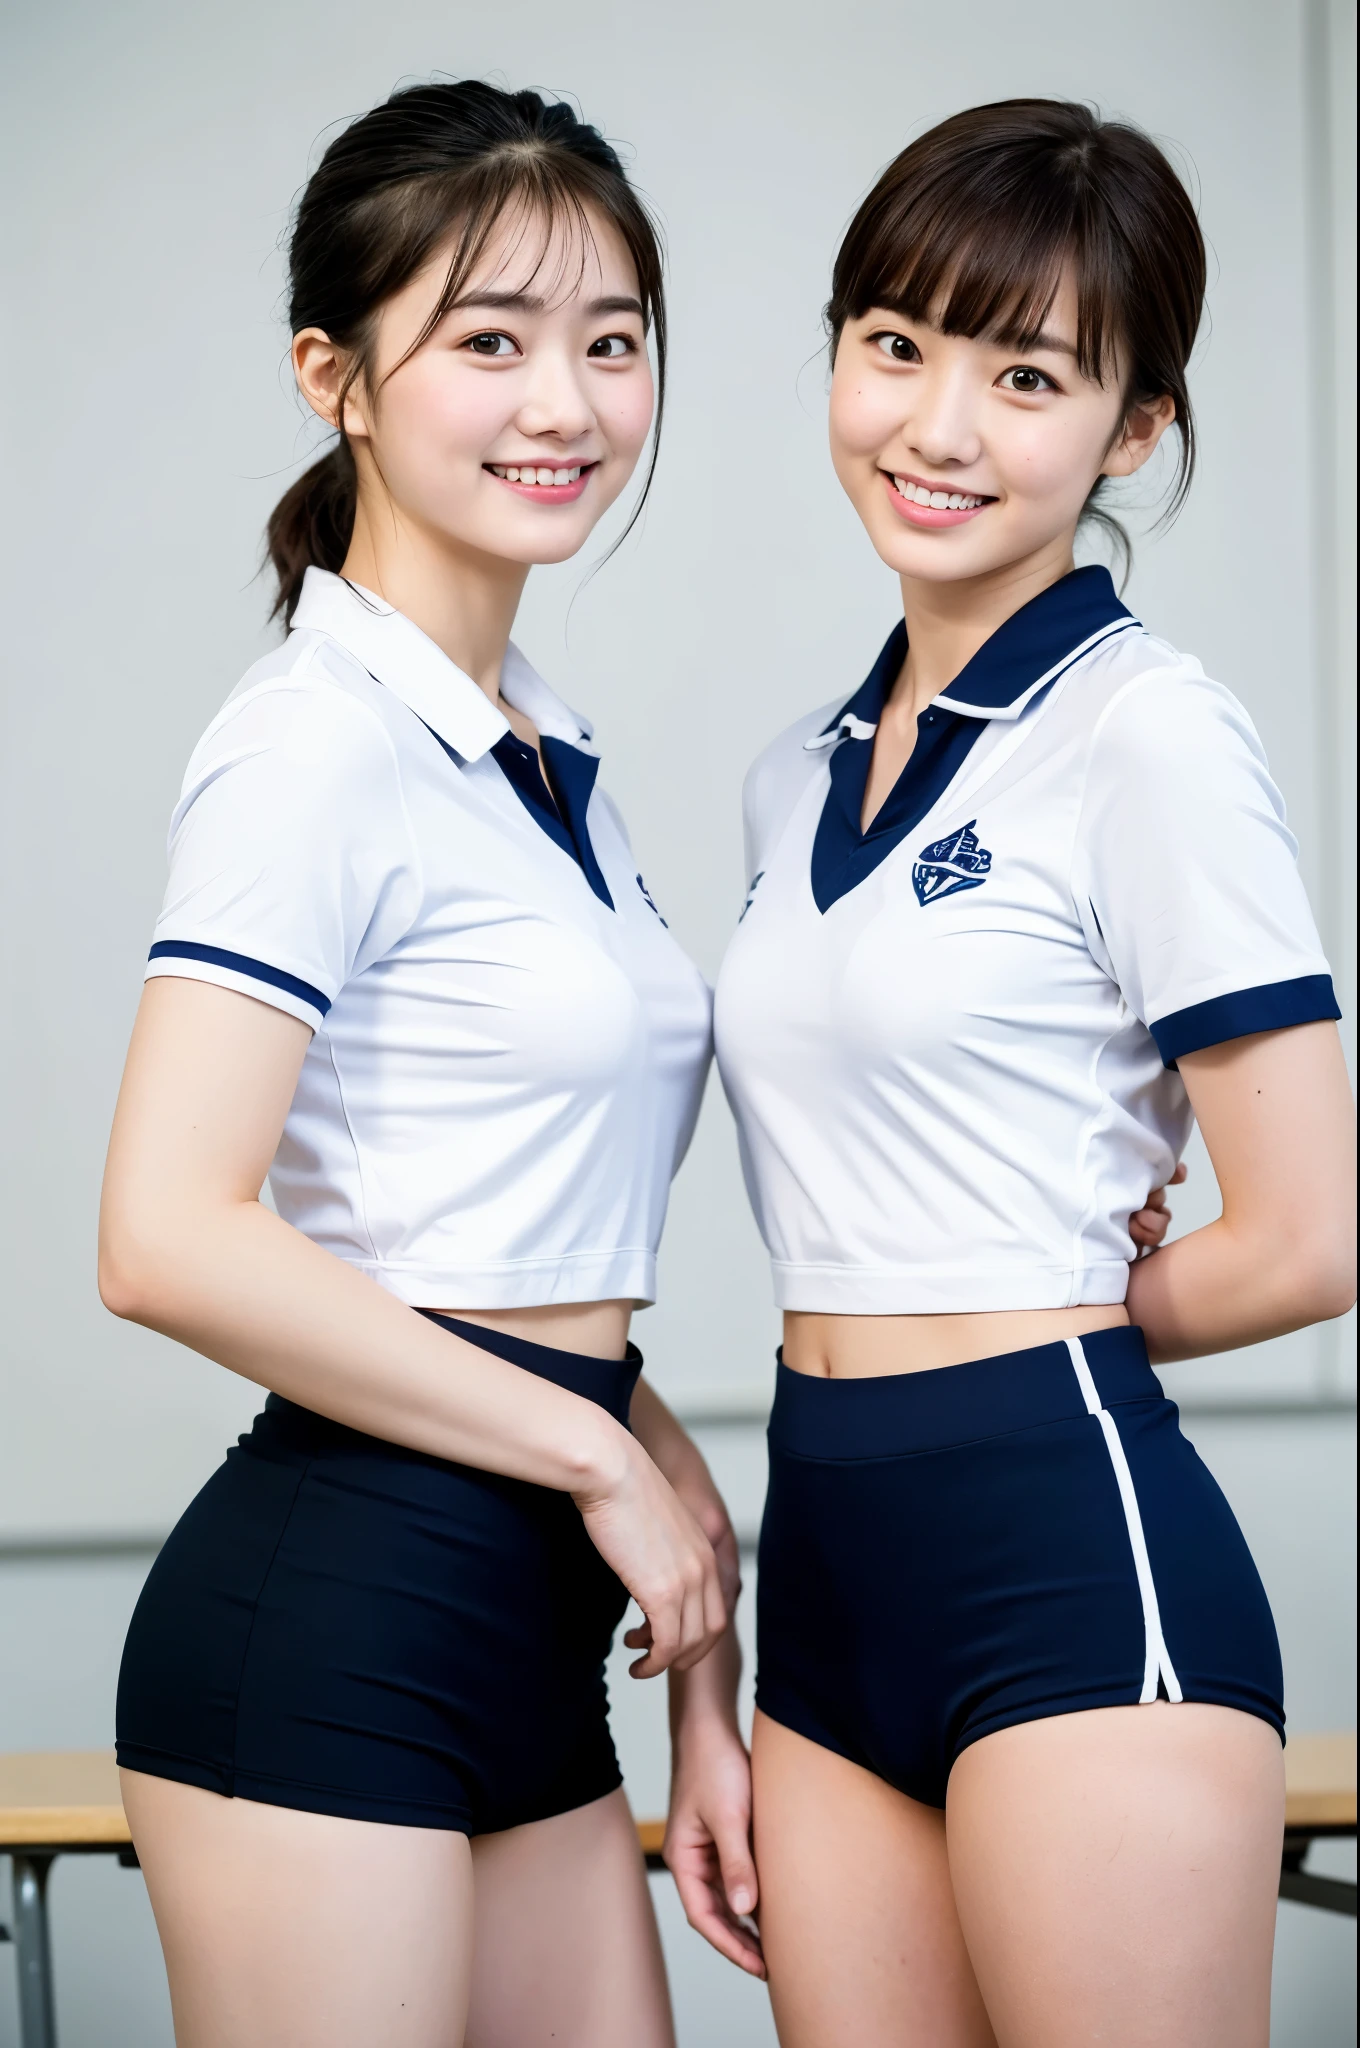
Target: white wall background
x: 153, y: 149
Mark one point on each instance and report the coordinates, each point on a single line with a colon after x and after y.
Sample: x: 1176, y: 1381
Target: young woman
x: 1020, y: 909
x: 407, y: 968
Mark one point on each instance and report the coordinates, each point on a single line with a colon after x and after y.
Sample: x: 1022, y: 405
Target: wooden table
x: 66, y: 1803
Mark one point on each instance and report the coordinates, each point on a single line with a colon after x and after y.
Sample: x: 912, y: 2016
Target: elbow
x: 1321, y: 1279
x: 131, y: 1283
x: 122, y: 1288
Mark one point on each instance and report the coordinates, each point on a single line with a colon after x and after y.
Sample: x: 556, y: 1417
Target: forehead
x: 556, y: 255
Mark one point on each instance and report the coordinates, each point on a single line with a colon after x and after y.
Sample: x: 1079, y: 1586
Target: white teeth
x: 939, y: 501
x: 527, y: 473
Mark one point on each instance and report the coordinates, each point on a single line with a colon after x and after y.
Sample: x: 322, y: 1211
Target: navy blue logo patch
x: 647, y: 897
x: 751, y: 894
x: 951, y: 864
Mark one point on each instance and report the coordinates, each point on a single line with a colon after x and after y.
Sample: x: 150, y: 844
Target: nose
x: 942, y: 424
x: 555, y: 403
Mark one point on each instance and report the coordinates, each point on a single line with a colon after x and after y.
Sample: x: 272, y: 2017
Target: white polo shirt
x: 509, y: 1047
x: 950, y: 1042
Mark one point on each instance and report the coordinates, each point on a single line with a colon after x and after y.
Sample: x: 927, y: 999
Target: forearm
x: 239, y: 1285
x: 1223, y: 1287
x: 664, y: 1438
x: 704, y: 1698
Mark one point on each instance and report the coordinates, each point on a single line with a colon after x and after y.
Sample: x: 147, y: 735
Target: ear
x: 320, y: 367
x: 1142, y: 430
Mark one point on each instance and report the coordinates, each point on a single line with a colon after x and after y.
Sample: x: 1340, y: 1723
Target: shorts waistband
x: 607, y: 1381
x: 903, y: 1413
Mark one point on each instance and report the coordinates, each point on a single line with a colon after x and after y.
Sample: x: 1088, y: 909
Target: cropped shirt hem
x: 945, y: 1290
x: 626, y: 1275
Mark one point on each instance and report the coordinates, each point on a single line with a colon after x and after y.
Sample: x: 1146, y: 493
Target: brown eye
x: 490, y: 345
x: 900, y: 348
x: 1025, y: 378
x: 610, y: 347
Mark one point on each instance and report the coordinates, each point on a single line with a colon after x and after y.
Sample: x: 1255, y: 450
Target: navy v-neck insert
x: 559, y: 810
x: 1009, y: 672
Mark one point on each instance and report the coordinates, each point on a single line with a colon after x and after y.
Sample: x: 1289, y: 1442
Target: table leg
x: 33, y: 1953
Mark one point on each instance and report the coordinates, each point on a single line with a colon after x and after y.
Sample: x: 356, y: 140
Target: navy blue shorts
x: 948, y: 1553
x: 344, y: 1626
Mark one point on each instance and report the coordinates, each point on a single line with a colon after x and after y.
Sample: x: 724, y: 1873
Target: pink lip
x: 548, y: 494
x: 927, y: 515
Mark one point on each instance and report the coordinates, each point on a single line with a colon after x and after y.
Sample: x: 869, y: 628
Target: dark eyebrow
x: 1028, y: 342
x: 533, y: 302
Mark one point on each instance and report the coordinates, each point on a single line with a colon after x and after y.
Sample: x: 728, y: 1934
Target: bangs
x: 984, y: 256
x: 541, y: 197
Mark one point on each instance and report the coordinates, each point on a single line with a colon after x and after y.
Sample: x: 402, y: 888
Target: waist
x: 607, y: 1381
x: 597, y: 1329
x: 854, y: 1347
x: 904, y: 1413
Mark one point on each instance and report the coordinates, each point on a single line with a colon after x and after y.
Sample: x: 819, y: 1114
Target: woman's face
x: 962, y: 456
x: 519, y: 420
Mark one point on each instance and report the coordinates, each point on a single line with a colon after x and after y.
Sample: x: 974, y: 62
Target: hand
x: 640, y: 1527
x: 708, y: 1841
x: 694, y: 1486
x: 1150, y: 1224
x: 675, y: 1452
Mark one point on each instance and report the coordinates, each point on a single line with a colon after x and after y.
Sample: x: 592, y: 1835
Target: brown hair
x: 433, y: 162
x: 974, y: 224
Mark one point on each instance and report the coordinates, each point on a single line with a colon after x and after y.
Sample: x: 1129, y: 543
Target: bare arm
x: 187, y: 1248
x: 708, y: 1833
x: 1278, y: 1119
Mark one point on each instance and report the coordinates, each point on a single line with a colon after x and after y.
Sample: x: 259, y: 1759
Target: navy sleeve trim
x: 1271, y: 1007
x: 241, y: 963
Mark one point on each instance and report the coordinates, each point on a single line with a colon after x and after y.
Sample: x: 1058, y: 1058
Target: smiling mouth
x: 922, y: 503
x: 541, y: 476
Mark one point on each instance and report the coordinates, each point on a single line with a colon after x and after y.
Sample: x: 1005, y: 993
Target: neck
x: 463, y: 600
x: 948, y: 622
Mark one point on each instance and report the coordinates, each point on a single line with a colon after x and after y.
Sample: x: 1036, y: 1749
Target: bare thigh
x: 299, y: 1930
x: 566, y: 1950
x: 857, y: 1914
x: 1116, y: 1874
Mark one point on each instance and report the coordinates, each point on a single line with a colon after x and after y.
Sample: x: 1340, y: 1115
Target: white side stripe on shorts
x: 1157, y: 1663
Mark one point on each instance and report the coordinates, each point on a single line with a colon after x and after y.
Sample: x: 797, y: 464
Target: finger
x: 732, y: 1839
x: 708, y: 1914
x: 697, y: 1643
x: 639, y: 1638
x: 665, y: 1631
x: 1181, y: 1175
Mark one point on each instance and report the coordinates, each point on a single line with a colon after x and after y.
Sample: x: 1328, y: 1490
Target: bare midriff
x: 596, y: 1329
x: 868, y: 1347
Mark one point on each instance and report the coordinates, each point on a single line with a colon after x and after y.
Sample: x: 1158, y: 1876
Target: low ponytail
x: 434, y: 165
x: 311, y: 525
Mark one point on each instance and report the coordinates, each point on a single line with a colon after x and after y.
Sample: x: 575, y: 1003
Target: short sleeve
x: 292, y: 864
x: 1186, y: 873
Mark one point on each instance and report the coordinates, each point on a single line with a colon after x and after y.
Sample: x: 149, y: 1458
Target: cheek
x: 1047, y: 459
x: 433, y: 418
x: 860, y: 419
x: 624, y: 411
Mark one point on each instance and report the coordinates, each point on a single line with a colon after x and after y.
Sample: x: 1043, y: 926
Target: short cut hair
x: 975, y: 224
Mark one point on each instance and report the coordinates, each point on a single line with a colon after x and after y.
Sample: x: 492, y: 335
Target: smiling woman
x: 442, y: 224
x: 1021, y: 908
x: 406, y: 966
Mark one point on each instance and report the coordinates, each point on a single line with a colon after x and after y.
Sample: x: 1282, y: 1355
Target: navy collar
x: 1025, y: 654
